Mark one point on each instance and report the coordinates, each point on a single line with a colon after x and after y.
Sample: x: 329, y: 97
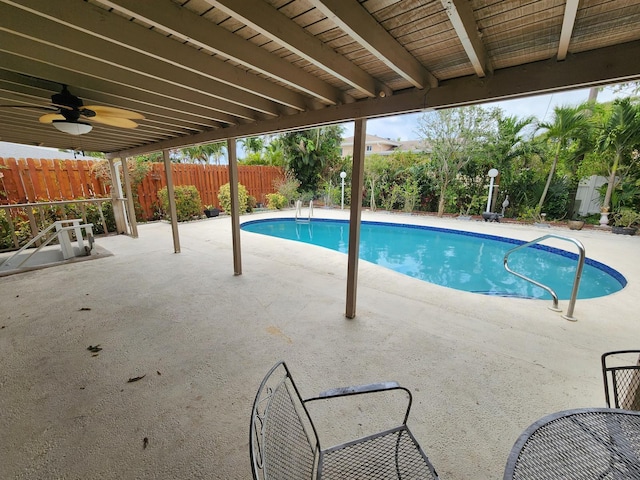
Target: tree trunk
x: 551, y: 172
x: 612, y: 179
x: 373, y: 196
x: 443, y: 190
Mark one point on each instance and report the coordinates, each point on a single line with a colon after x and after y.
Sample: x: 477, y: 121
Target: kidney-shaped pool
x: 457, y: 259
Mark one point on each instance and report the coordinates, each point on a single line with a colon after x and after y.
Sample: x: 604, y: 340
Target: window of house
x: 369, y: 148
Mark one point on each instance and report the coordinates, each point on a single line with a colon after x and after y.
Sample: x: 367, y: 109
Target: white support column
x: 357, y: 181
x: 235, y: 211
x: 116, y: 198
x: 172, y: 201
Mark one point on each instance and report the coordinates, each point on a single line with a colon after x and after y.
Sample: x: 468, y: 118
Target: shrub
x: 287, y: 186
x: 276, y: 201
x: 93, y: 216
x: 6, y: 241
x: 224, y: 197
x: 188, y: 203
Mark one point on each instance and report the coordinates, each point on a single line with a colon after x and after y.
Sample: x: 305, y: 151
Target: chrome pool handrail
x: 576, y: 281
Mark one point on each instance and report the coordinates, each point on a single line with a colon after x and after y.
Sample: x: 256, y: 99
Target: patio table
x: 587, y: 443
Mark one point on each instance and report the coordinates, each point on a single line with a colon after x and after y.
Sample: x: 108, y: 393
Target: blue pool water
x: 462, y: 260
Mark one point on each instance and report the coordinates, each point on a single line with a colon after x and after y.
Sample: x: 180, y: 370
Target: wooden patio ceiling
x: 204, y: 70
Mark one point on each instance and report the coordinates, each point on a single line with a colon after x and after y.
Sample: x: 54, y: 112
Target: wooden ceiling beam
x: 31, y: 93
x: 178, y: 21
x: 118, y: 30
x: 128, y: 97
x: 263, y: 18
x: 460, y: 14
x: 568, y: 21
x: 357, y: 22
x: 48, y: 54
x: 60, y: 36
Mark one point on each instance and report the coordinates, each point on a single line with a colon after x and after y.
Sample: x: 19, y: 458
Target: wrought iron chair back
x: 284, y: 442
x: 622, y: 382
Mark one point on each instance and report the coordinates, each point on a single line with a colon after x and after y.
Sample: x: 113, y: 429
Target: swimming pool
x: 457, y: 259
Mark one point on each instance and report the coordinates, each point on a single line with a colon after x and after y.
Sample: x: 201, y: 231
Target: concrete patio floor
x: 481, y: 368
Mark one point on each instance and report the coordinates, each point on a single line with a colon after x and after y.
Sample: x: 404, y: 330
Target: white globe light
x: 343, y: 174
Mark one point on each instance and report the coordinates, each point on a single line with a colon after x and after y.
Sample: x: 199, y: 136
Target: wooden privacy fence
x: 208, y: 179
x: 35, y: 180
x: 32, y: 180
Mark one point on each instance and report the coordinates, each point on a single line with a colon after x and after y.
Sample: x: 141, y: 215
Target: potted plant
x: 624, y: 221
x: 211, y: 211
x: 575, y: 223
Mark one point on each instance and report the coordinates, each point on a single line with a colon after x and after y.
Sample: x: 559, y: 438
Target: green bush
x: 5, y: 231
x: 93, y: 216
x: 276, y: 201
x: 224, y: 197
x: 287, y: 186
x: 188, y: 203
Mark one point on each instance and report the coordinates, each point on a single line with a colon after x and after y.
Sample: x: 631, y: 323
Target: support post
x: 116, y: 199
x: 357, y: 179
x: 235, y: 211
x: 131, y: 209
x: 172, y: 200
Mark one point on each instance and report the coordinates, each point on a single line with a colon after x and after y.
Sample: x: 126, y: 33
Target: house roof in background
x: 207, y: 70
x: 372, y: 139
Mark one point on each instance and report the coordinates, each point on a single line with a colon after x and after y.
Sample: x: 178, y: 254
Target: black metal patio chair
x: 284, y: 443
x: 622, y: 382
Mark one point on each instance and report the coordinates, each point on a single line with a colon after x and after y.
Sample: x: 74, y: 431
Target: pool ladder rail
x: 299, y: 217
x: 576, y: 282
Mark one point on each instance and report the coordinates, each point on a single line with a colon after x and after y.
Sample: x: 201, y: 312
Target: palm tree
x: 619, y: 136
x: 203, y: 153
x: 566, y: 126
x: 253, y: 144
x: 213, y: 150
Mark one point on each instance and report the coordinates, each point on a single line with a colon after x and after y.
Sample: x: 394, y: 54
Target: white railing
x: 576, y: 281
x: 38, y: 215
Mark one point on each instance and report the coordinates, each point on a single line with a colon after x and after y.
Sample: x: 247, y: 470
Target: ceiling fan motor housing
x: 65, y: 99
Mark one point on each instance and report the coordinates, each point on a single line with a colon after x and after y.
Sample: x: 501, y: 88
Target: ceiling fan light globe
x: 72, y: 128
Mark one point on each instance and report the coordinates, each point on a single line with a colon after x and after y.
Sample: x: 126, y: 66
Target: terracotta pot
x: 575, y: 224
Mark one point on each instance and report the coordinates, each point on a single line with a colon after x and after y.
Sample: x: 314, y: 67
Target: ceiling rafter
x: 90, y: 19
x: 33, y: 68
x: 357, y: 22
x: 43, y: 53
x: 273, y: 24
x: 568, y: 21
x: 54, y: 34
x: 185, y: 24
x: 460, y: 13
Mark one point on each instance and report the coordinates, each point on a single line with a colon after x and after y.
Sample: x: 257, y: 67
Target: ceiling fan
x: 70, y: 114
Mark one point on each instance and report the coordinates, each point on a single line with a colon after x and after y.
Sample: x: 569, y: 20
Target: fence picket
x: 40, y: 179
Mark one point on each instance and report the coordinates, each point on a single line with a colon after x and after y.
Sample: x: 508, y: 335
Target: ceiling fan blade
x: 50, y: 117
x: 113, y: 121
x: 105, y: 111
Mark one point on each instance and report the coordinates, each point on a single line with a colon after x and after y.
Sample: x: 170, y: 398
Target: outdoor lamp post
x: 343, y: 175
x: 493, y: 173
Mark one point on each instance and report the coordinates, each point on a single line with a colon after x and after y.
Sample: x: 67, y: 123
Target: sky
x: 404, y: 127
